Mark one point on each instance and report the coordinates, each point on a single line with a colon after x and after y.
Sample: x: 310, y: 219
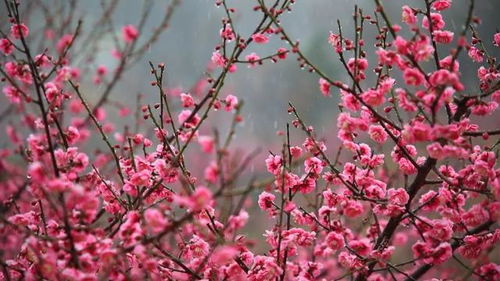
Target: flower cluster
x: 408, y: 190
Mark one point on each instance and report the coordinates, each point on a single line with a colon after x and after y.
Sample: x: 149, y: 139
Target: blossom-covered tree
x: 411, y: 193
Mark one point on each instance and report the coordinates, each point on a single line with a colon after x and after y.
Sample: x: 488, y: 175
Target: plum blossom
x: 253, y: 59
x: 6, y: 47
x: 129, y: 33
x: 441, y: 5
x: 19, y: 31
x: 103, y: 184
x: 260, y: 38
x: 378, y: 133
x: 324, y: 87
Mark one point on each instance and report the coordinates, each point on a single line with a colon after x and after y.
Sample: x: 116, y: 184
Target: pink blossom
x: 12, y: 134
x: 231, y: 103
x: 19, y: 31
x: 72, y: 135
x: 227, y: 33
x: 264, y: 268
x: 224, y: 255
x: 404, y: 101
x: 446, y: 63
x: 63, y: 43
x: 475, y: 216
x: 472, y: 247
x: 398, y: 196
x: 102, y: 70
x: 413, y: 77
x: 361, y: 246
x: 307, y: 184
x: 496, y: 39
x: 432, y: 255
x: 484, y: 108
x: 353, y: 208
x: 266, y: 201
x: 334, y: 241
x: 197, y: 247
x: 421, y: 48
x: 437, y: 21
x: 436, y: 151
x: 206, y: 143
x: 375, y: 191
x: 386, y: 85
x: 200, y: 199
x: 141, y: 178
x: 441, y: 5
x: 324, y: 87
x: 490, y: 271
x: 12, y: 94
x: 282, y: 53
x: 129, y: 33
x: 441, y: 230
x: 335, y: 42
x: 349, y: 261
x: 211, y: 172
x: 373, y: 97
x: 378, y: 134
x: 238, y: 221
x: 350, y: 101
x: 443, y: 36
x: 402, y: 45
x: 155, y: 220
x: 6, y: 47
x: 408, y: 16
x: 443, y: 77
x: 429, y: 200
x: 299, y: 237
x: 218, y: 59
x: 253, y: 59
x: 296, y: 151
x: 131, y: 231
x: 357, y: 67
x: 188, y: 123
x: 475, y: 54
x: 388, y: 57
x: 273, y: 163
x: 314, y: 165
x: 417, y: 132
x: 25, y: 219
x: 260, y: 38
x: 187, y: 100
x: 406, y: 166
x: 357, y: 64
